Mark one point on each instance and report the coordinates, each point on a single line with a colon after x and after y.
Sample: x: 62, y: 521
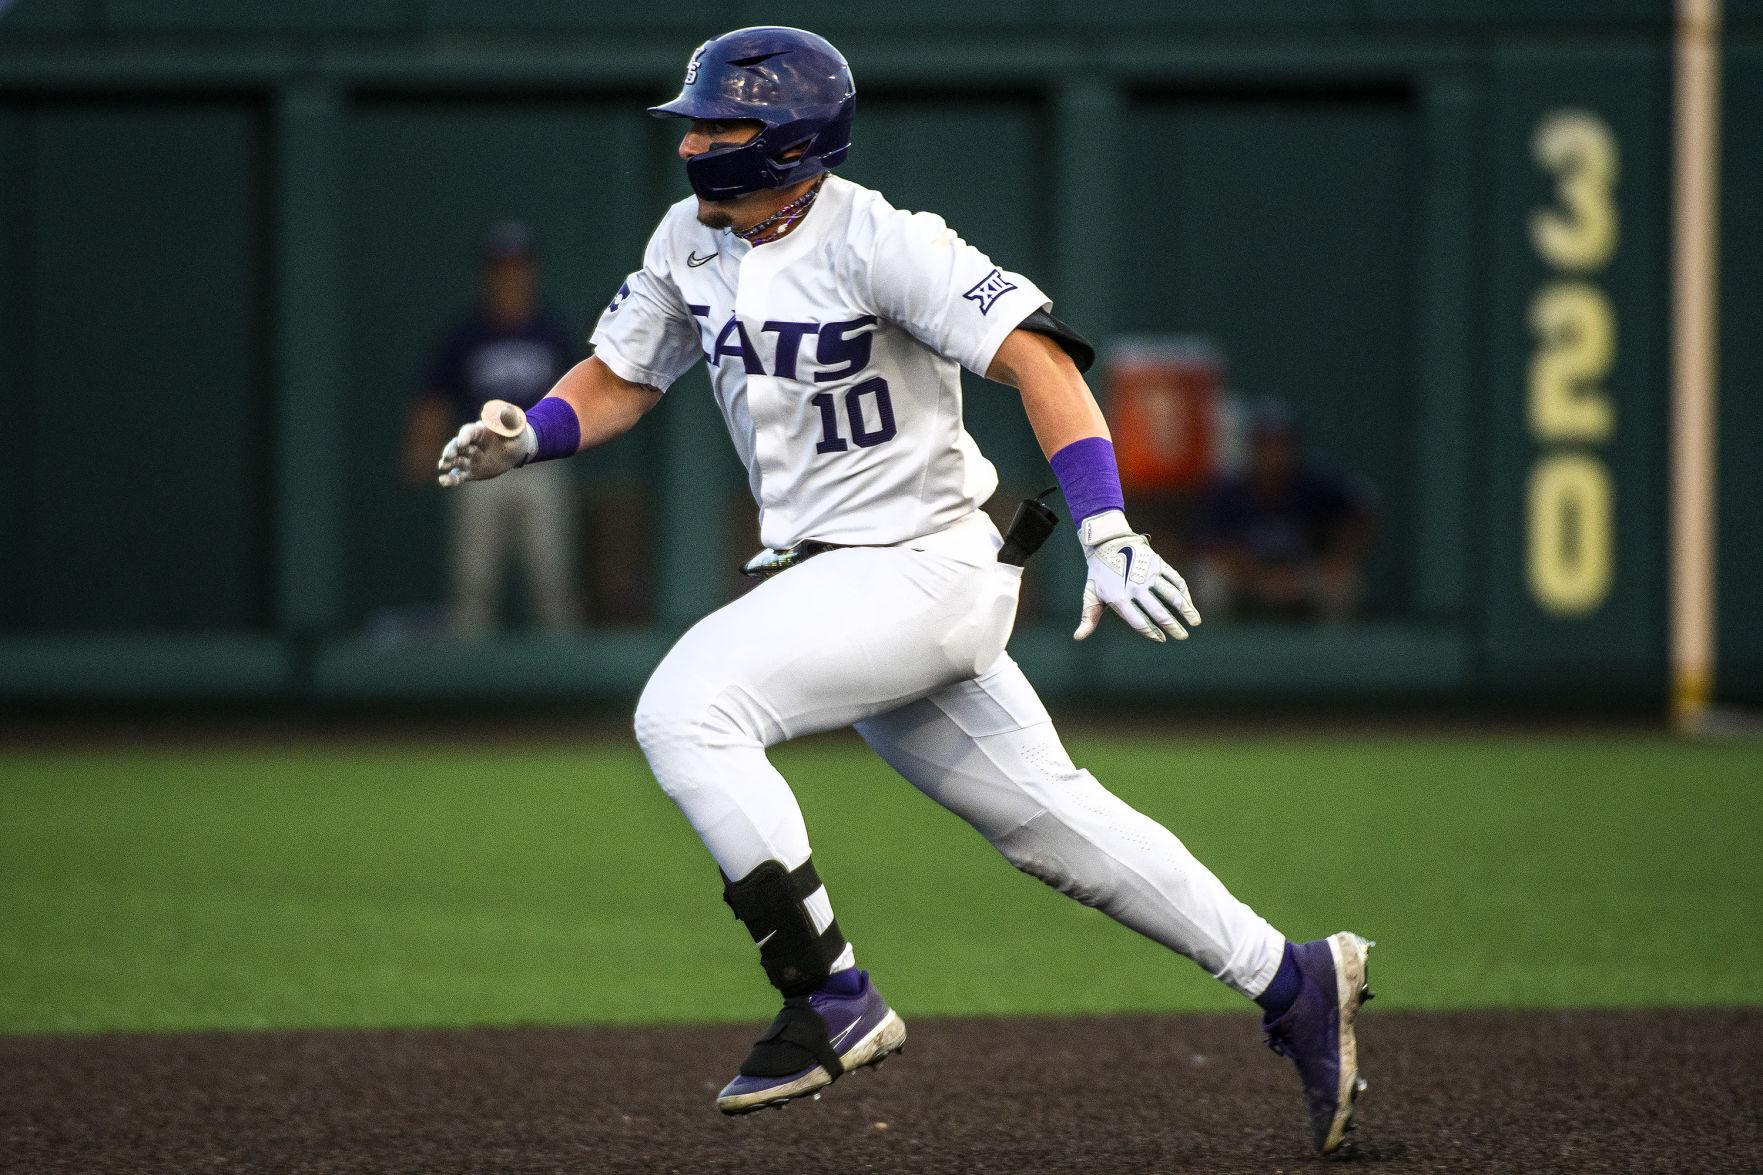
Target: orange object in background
x: 1163, y: 402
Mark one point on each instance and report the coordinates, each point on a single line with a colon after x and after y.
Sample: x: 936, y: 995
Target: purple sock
x: 1282, y: 993
x: 556, y: 428
x: 846, y: 982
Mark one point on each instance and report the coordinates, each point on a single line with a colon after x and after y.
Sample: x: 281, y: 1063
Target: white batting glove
x: 1127, y: 575
x: 490, y: 446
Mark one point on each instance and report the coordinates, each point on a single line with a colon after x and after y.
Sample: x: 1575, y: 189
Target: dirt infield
x: 1612, y: 1091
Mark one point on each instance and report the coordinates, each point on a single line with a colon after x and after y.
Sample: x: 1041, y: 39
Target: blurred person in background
x: 1284, y: 538
x: 509, y: 348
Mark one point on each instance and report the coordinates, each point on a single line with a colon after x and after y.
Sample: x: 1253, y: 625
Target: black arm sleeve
x: 1081, y: 350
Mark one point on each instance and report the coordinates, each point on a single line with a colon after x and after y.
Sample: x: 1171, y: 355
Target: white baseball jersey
x: 833, y: 355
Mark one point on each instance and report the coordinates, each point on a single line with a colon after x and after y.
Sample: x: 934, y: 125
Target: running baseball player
x: 834, y: 326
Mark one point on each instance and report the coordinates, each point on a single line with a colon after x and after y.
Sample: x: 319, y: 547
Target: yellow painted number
x: 1571, y: 514
x: 1576, y: 344
x: 1577, y: 148
x: 1572, y: 519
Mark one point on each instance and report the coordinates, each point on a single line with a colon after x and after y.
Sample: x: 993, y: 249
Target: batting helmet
x: 793, y: 82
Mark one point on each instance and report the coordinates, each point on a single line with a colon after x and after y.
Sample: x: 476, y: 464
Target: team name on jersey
x: 817, y: 352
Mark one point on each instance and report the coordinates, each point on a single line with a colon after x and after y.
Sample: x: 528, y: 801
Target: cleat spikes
x: 869, y: 1030
x: 1316, y: 1034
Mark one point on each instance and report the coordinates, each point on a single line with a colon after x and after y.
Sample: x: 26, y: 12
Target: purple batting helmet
x: 790, y: 80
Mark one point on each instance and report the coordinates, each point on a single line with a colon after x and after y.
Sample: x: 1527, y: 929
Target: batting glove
x: 490, y: 446
x: 1127, y: 575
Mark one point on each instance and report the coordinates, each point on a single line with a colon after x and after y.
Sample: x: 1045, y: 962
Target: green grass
x: 290, y: 886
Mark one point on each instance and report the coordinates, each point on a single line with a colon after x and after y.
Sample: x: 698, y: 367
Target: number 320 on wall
x: 1571, y: 498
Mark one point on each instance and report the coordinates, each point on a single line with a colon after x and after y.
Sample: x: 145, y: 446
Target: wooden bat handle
x: 503, y: 419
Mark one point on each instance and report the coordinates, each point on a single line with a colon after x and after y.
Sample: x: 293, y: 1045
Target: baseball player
x: 834, y: 326
x: 510, y: 348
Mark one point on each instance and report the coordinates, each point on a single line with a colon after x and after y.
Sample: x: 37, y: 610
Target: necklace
x: 784, y: 219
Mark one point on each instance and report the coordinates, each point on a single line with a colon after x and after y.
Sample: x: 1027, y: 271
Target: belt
x: 1028, y: 530
x: 770, y: 561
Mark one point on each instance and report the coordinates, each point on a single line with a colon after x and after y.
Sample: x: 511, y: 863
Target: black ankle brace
x: 770, y: 900
x: 795, y: 1040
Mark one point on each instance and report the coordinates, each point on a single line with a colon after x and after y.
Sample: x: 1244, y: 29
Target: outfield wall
x: 229, y: 232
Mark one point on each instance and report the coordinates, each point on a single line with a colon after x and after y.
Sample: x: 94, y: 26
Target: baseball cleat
x: 1316, y: 1032
x: 816, y: 1039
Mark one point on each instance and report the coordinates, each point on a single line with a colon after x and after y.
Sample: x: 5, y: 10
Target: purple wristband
x: 555, y: 425
x: 1088, y: 477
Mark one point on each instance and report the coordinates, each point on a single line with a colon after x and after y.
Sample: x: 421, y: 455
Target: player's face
x: 705, y: 135
x: 510, y: 287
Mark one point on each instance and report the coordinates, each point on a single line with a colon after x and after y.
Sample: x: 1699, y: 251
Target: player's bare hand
x: 1129, y: 577
x: 499, y: 440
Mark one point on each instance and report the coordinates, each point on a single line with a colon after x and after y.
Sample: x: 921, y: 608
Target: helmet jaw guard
x: 725, y: 173
x: 792, y: 82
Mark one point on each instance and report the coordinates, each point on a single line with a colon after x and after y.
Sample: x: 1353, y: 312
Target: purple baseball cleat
x: 1316, y: 1032
x: 815, y: 1039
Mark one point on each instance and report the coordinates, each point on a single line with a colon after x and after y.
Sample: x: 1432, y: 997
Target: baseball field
x: 407, y: 955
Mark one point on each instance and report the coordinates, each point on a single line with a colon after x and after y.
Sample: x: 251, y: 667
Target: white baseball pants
x: 905, y: 643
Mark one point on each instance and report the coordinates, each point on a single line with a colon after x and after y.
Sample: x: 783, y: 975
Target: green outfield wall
x: 230, y: 232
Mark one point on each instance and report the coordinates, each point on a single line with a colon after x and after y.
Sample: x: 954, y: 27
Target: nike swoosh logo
x: 840, y: 1038
x: 766, y: 939
x: 693, y: 260
x: 1127, y: 574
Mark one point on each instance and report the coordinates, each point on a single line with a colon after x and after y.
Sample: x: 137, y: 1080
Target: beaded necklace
x: 784, y: 219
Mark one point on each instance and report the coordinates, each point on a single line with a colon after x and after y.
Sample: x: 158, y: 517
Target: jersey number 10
x: 861, y: 433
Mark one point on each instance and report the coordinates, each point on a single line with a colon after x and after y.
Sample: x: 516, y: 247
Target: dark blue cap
x: 508, y: 241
